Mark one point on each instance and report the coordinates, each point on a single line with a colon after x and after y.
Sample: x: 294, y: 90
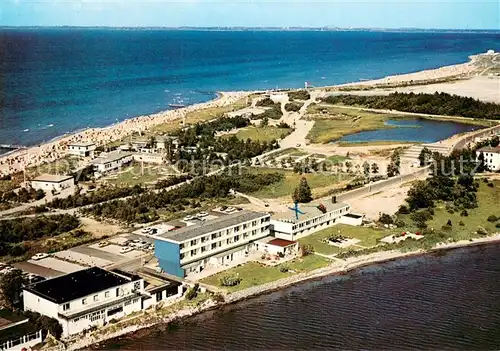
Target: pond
x: 412, y: 130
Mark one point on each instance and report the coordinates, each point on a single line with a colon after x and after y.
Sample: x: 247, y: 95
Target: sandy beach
x: 48, y: 152
x: 150, y: 319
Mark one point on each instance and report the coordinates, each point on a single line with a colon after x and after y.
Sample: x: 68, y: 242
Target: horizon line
x: 284, y: 28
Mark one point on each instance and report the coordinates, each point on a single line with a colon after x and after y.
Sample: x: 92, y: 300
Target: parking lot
x: 117, y: 250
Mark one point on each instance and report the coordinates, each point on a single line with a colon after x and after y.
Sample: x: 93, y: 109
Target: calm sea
x: 445, y: 301
x: 53, y: 81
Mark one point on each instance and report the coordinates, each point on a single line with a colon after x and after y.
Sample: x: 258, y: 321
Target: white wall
x: 38, y: 304
x: 48, y: 186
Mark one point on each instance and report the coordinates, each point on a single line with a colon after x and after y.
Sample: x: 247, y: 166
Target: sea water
x: 55, y: 81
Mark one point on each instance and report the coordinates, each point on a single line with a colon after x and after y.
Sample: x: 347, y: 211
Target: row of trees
x: 105, y: 193
x: 142, y: 208
x: 437, y: 104
x: 23, y: 195
x: 21, y: 229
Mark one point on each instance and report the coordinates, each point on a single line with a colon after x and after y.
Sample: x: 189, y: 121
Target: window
x: 181, y: 246
x: 159, y: 296
x: 214, y: 246
x: 96, y: 297
x: 236, y: 229
x: 106, y: 294
x: 117, y: 292
x: 137, y: 286
x: 182, y: 256
x: 193, y: 242
x: 66, y: 307
x: 193, y: 252
x: 236, y: 238
x: 84, y: 301
x: 135, y: 300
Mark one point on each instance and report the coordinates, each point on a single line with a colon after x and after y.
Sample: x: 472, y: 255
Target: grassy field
x: 62, y: 166
x: 336, y: 159
x: 368, y: 237
x: 338, y: 122
x: 254, y: 273
x: 262, y: 133
x: 199, y: 116
x: 488, y: 199
x: 132, y: 175
x: 317, y: 181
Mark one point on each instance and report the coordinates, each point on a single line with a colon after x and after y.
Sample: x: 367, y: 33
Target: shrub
x: 218, y: 298
x: 284, y: 269
x: 192, y: 292
x: 299, y: 95
x: 447, y: 228
x: 481, y: 231
x: 386, y: 219
x: 230, y: 280
x: 403, y: 209
x: 307, y: 250
x: 498, y: 225
x: 266, y: 102
x: 399, y: 223
x: 464, y: 213
x: 492, y: 218
x: 461, y: 223
x: 491, y: 185
x: 293, y: 107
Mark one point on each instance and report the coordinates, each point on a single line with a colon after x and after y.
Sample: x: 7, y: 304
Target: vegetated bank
x: 436, y: 104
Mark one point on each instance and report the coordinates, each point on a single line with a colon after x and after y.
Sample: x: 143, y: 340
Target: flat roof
x: 281, y: 242
x: 490, y: 149
x: 110, y: 157
x: 210, y: 226
x: 310, y: 210
x: 52, y: 178
x: 78, y: 284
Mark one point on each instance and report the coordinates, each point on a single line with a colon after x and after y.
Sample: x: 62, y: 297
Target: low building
x: 148, y: 157
x: 52, y: 182
x: 312, y: 217
x: 491, y: 157
x: 86, y: 298
x: 210, y: 243
x: 111, y: 161
x: 275, y: 246
x: 82, y: 149
x: 161, y: 289
x: 17, y: 333
x: 352, y: 219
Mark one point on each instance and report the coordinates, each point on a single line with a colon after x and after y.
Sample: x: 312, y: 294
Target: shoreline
x: 268, y: 288
x: 54, y: 149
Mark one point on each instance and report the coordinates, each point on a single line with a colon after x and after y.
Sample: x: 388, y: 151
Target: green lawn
x: 337, y: 122
x: 203, y: 115
x: 488, y: 199
x: 61, y: 166
x: 133, y: 175
x: 254, y: 273
x: 336, y: 159
x: 286, y: 187
x: 262, y: 133
x: 368, y: 237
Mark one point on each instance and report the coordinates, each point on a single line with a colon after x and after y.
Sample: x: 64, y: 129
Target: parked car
x: 153, y: 231
x: 202, y: 214
x: 103, y: 243
x: 189, y: 218
x: 39, y: 256
x: 124, y: 250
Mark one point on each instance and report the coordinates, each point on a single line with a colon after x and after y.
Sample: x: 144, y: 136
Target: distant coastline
x: 274, y: 29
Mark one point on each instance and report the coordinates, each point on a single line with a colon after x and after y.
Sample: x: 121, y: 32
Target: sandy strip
x: 56, y: 149
x: 150, y: 319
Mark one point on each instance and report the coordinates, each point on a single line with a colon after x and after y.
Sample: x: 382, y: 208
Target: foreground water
x: 60, y: 80
x: 414, y: 130
x: 445, y: 301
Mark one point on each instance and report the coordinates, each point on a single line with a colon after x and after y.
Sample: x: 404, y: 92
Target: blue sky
x: 464, y: 14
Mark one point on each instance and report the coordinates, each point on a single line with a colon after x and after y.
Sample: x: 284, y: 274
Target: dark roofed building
x: 86, y: 298
x: 78, y: 284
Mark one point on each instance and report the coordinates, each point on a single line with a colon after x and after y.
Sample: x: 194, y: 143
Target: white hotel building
x: 491, y: 157
x: 85, y: 298
x: 214, y: 242
x: 312, y: 219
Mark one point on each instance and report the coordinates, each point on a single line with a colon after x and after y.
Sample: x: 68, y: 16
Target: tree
x: 302, y: 192
x: 495, y: 141
x: 366, y: 169
x: 375, y: 168
x: 264, y: 122
x: 386, y: 219
x: 151, y: 142
x: 11, y: 285
x: 425, y: 156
